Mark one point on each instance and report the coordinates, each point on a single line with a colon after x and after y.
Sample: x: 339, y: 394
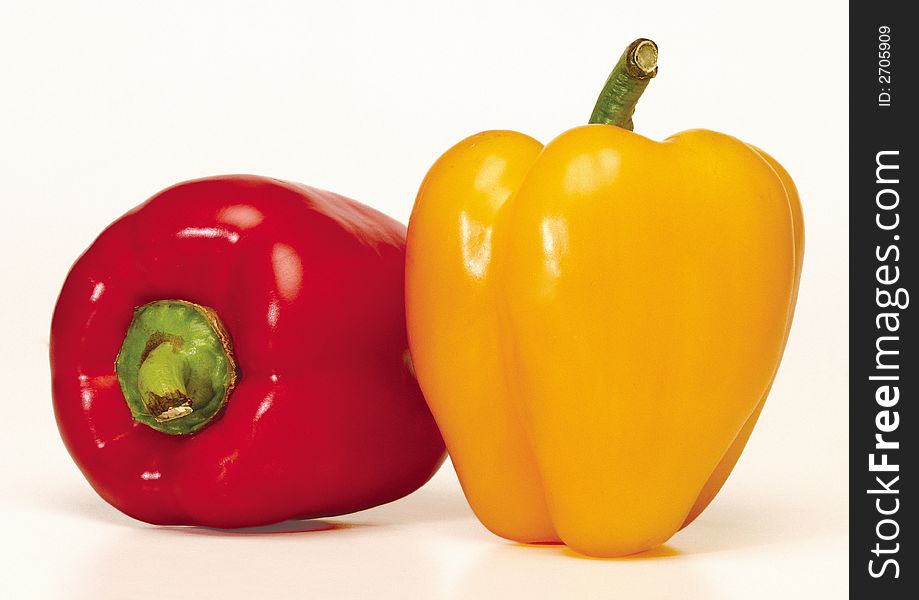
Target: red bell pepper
x: 264, y: 374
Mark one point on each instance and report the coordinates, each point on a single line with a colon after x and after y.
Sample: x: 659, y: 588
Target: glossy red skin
x: 327, y: 417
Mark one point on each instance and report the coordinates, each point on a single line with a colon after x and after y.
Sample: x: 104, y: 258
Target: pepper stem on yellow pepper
x: 636, y: 67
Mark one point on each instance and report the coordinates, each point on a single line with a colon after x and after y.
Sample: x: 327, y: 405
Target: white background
x: 103, y: 104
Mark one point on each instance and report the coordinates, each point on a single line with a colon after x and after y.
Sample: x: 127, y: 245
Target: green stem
x: 176, y: 366
x: 162, y: 380
x: 636, y: 67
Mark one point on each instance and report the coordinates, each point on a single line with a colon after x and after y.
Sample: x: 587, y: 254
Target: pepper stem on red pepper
x: 162, y: 379
x: 636, y: 67
x: 176, y: 366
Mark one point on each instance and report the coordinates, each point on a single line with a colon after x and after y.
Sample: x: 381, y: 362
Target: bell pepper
x: 233, y: 353
x: 595, y: 323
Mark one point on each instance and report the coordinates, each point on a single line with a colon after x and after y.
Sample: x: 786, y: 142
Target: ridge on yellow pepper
x: 596, y: 323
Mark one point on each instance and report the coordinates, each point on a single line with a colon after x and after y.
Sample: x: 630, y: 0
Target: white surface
x: 103, y: 105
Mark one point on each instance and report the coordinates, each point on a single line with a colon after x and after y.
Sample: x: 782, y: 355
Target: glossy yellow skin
x: 596, y: 323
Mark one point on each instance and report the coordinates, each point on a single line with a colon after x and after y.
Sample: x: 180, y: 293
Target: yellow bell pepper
x: 596, y: 323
